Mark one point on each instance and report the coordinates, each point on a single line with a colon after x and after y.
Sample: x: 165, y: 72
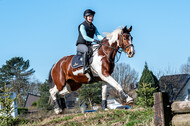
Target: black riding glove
x: 97, y: 41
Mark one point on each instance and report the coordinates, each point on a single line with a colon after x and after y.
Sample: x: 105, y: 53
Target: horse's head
x: 125, y: 41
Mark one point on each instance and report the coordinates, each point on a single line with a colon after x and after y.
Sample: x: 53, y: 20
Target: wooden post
x: 162, y: 109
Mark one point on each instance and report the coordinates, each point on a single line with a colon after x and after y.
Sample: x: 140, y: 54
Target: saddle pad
x: 77, y: 61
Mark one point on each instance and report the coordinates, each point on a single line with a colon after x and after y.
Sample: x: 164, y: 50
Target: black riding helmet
x: 89, y: 12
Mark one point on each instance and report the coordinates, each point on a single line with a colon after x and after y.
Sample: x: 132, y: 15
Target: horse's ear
x: 124, y: 29
x: 130, y: 29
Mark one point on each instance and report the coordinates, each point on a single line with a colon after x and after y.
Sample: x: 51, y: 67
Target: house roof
x: 31, y: 98
x: 173, y: 84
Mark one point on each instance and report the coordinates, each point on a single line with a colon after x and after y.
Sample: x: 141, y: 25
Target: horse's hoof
x: 58, y: 110
x: 129, y: 102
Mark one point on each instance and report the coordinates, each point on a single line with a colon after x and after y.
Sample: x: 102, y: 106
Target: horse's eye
x: 125, y: 38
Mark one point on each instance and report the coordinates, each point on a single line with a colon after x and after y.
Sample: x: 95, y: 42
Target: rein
x: 117, y: 50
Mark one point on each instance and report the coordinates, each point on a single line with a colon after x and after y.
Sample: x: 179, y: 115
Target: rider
x: 86, y: 35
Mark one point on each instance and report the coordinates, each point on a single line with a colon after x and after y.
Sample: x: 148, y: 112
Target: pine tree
x: 16, y: 73
x: 146, y: 95
x: 6, y: 107
x: 149, y: 78
x: 147, y: 85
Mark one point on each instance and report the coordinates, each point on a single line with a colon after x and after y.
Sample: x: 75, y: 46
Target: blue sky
x: 44, y: 31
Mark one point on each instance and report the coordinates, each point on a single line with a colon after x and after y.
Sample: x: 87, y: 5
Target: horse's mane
x: 113, y: 36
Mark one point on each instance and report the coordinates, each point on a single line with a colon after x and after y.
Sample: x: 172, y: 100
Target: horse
x: 64, y: 79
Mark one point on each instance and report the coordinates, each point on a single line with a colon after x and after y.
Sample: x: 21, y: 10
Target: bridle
x: 119, y: 50
x: 122, y: 41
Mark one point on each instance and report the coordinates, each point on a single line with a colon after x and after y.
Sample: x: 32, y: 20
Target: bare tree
x: 124, y: 75
x: 167, y: 71
x: 185, y: 68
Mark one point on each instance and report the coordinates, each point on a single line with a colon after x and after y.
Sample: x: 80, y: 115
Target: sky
x: 44, y: 31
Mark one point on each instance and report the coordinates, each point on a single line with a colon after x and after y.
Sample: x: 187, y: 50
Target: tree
x: 149, y: 78
x: 147, y: 83
x: 146, y: 97
x: 185, y: 68
x: 1, y: 83
x: 44, y: 96
x: 34, y: 87
x: 16, y: 73
x: 90, y: 93
x: 6, y: 107
x: 125, y: 75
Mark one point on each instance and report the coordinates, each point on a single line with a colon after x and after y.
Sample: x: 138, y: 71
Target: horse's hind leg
x: 53, y: 93
x: 62, y: 93
x: 59, y: 87
x: 58, y: 98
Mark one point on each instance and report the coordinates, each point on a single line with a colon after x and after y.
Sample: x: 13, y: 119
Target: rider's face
x: 90, y: 18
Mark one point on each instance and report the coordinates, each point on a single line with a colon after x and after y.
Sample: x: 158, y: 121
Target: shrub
x: 6, y: 107
x: 34, y: 103
x: 22, y: 110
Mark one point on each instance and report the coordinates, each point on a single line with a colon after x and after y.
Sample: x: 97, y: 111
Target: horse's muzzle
x: 130, y: 54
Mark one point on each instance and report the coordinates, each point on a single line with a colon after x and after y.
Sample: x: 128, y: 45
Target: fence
x: 166, y: 114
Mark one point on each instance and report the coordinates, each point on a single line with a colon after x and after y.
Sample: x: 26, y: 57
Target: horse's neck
x: 108, y: 50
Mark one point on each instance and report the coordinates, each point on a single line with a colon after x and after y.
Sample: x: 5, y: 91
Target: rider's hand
x: 97, y: 41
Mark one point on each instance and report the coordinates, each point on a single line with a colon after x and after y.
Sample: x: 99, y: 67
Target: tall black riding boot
x: 85, y: 63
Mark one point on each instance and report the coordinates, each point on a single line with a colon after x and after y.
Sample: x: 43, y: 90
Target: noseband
x: 122, y: 42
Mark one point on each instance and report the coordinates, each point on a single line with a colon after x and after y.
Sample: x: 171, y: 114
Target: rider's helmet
x: 89, y: 12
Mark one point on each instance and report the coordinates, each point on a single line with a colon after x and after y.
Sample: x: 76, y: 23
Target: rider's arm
x: 84, y: 34
x: 98, y: 34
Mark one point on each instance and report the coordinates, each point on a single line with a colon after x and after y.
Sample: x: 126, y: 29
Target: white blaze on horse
x: 64, y: 78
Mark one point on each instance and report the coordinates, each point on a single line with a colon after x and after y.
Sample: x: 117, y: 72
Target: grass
x: 133, y: 117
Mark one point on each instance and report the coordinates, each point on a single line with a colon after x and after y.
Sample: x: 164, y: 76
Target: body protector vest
x: 90, y: 31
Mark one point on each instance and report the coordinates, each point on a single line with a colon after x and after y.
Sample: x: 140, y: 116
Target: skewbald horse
x: 64, y: 79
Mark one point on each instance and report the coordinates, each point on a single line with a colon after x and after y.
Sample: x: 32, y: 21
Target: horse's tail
x: 51, y: 85
x: 50, y: 80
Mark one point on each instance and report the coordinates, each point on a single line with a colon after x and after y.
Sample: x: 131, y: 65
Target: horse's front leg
x: 104, y: 96
x: 118, y: 87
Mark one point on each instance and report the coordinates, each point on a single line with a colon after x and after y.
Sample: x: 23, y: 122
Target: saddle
x: 77, y: 60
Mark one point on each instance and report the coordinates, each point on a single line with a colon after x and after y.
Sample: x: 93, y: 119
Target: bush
x: 145, y: 97
x: 34, y: 103
x: 6, y: 106
x: 22, y: 110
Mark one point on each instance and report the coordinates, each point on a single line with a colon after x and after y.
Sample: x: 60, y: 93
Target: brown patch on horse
x: 108, y: 58
x: 73, y: 85
x: 60, y: 77
x: 58, y: 74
